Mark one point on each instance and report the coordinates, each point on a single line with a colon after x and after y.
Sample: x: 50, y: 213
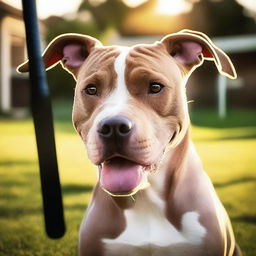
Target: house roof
x: 6, y: 9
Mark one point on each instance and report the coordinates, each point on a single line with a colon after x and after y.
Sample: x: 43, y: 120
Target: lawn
x: 226, y: 147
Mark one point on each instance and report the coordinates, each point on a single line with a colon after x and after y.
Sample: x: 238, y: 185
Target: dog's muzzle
x: 119, y: 174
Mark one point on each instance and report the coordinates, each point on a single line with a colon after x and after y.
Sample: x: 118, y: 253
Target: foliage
x: 227, y: 154
x: 219, y: 18
x: 108, y: 13
x: 58, y: 25
x: 216, y: 18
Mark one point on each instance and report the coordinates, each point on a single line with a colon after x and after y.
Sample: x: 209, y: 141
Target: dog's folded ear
x: 190, y: 48
x: 70, y: 49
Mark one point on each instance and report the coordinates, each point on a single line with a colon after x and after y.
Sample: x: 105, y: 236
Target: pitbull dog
x: 130, y: 109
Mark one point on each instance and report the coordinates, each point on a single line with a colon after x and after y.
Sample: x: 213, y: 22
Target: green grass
x: 226, y: 147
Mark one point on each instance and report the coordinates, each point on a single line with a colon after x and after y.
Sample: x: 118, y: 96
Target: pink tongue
x: 120, y: 175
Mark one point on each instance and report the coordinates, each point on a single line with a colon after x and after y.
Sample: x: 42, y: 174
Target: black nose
x: 117, y: 126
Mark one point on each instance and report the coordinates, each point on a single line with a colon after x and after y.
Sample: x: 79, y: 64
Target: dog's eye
x: 90, y: 89
x: 155, y: 88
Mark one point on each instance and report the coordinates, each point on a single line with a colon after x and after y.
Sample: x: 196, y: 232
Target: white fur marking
x: 146, y: 224
x: 192, y: 230
x: 117, y: 101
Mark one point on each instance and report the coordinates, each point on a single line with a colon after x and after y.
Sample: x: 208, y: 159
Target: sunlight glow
x: 134, y: 3
x: 173, y: 7
x: 250, y: 7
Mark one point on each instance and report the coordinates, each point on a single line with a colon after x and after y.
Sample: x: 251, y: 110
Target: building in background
x: 14, y: 89
x: 240, y: 92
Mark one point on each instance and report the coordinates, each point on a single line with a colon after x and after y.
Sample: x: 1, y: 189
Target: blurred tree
x: 60, y: 25
x: 112, y: 13
x: 106, y: 13
x: 213, y: 17
x: 94, y: 17
x: 219, y: 18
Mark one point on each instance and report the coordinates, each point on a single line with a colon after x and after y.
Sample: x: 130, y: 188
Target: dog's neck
x: 161, y: 181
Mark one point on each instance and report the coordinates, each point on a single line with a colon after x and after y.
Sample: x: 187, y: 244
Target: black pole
x: 43, y: 122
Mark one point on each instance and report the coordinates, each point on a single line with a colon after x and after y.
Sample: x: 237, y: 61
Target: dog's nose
x: 117, y: 126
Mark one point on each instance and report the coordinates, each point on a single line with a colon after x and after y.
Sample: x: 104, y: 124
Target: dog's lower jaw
x: 146, y: 173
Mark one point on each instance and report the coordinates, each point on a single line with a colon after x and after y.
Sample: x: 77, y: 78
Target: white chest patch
x: 146, y: 224
x: 117, y: 100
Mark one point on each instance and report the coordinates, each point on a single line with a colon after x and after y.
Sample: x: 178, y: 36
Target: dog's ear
x: 69, y: 49
x: 190, y: 48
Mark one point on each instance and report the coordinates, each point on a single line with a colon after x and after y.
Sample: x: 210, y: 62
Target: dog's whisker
x: 132, y: 197
x: 141, y: 148
x: 142, y: 141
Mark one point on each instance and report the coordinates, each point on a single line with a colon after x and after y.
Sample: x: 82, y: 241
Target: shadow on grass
x: 19, y: 211
x: 17, y: 162
x: 76, y: 207
x: 70, y: 189
x: 235, y: 118
x: 226, y: 138
x: 238, y: 137
x: 245, y: 218
x: 234, y: 182
x: 26, y: 180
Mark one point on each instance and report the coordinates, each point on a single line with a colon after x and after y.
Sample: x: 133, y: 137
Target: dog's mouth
x: 122, y: 177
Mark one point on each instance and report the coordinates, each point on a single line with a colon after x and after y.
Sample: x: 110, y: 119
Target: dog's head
x: 130, y: 102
